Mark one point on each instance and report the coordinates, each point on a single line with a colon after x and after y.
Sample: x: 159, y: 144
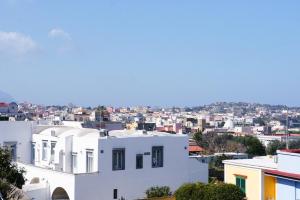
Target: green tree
x: 273, y: 146
x: 200, y: 140
x: 253, y: 145
x: 213, y: 143
x: 11, y: 177
x: 294, y: 144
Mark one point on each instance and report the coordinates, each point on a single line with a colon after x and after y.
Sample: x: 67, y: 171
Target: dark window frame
x: 117, y: 162
x: 157, y: 156
x: 115, y: 193
x: 139, y: 161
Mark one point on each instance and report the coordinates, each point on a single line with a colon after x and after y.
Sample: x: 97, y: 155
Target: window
x: 118, y: 159
x: 74, y: 163
x: 115, y: 193
x: 241, y: 183
x: 12, y: 147
x: 44, y: 150
x: 157, y: 156
x: 139, y: 161
x: 32, y: 152
x: 53, y: 144
x: 89, y: 161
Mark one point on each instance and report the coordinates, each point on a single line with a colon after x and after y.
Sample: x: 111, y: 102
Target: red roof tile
x: 2, y: 104
x: 291, y: 150
x: 195, y: 149
x: 283, y: 174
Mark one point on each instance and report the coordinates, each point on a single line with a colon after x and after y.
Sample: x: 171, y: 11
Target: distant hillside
x: 5, y: 97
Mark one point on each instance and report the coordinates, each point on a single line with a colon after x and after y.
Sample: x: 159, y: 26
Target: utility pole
x: 287, y: 130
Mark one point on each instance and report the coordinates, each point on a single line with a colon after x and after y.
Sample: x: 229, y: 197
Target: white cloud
x: 59, y: 33
x: 13, y: 43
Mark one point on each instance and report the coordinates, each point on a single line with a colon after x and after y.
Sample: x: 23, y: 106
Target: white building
x: 78, y: 163
x: 267, y: 139
x: 16, y: 135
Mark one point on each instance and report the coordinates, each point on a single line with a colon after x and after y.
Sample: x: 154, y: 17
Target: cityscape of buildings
x: 72, y: 152
x: 169, y: 100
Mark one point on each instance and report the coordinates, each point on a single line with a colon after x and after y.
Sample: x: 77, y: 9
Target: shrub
x: 191, y: 191
x: 224, y: 191
x: 199, y: 191
x: 157, y: 191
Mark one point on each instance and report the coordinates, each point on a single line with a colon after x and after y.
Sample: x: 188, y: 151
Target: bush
x: 191, y: 191
x: 198, y: 191
x: 157, y: 191
x: 224, y: 192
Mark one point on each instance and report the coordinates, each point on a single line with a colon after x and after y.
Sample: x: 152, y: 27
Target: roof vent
x: 144, y: 132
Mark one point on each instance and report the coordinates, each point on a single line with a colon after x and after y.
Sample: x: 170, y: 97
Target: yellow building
x: 248, y: 174
x: 270, y: 187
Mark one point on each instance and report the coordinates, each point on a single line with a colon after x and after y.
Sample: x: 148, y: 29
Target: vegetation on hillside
x: 214, y: 143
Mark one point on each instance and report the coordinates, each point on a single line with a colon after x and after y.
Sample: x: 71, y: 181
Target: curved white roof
x: 64, y: 131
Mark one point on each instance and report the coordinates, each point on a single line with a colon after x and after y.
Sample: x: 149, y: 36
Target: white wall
x: 198, y: 171
x: 131, y: 183
x: 20, y: 132
x: 65, y: 145
x: 54, y: 178
x: 288, y: 162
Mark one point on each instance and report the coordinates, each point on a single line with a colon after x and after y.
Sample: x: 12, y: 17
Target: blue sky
x: 139, y: 52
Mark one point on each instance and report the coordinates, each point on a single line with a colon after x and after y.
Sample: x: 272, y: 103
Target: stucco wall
x: 20, y: 132
x: 131, y: 182
x: 198, y: 171
x: 54, y: 178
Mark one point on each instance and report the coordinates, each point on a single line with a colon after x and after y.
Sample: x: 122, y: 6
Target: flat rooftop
x: 263, y: 162
x: 140, y: 133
